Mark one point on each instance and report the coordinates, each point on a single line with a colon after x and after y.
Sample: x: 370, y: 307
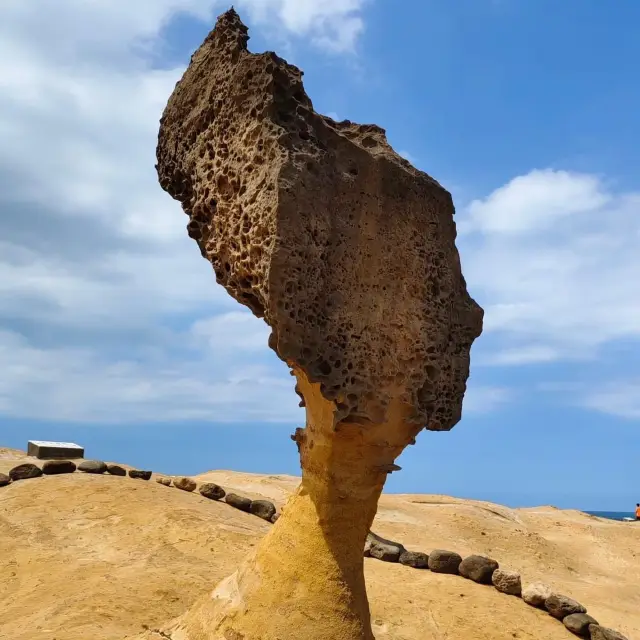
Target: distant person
x: 638, y: 511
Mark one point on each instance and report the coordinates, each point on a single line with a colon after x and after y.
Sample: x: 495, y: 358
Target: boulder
x: 536, y: 594
x: 186, y: 484
x: 441, y: 561
x: 478, y: 568
x: 263, y: 509
x: 560, y: 606
x: 55, y: 467
x: 274, y: 518
x: 507, y: 582
x: 414, y: 559
x: 140, y: 475
x: 92, y: 466
x: 383, y: 549
x: 212, y: 491
x: 603, y: 633
x: 163, y: 481
x: 4, y: 480
x: 116, y: 470
x: 25, y: 472
x: 579, y: 623
x: 239, y: 502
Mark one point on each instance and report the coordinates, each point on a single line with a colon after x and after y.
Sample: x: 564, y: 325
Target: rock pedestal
x: 348, y: 253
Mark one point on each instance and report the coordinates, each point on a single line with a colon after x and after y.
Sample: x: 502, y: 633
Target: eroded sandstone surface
x: 318, y: 226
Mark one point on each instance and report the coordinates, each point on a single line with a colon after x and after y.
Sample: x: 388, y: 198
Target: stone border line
x: 480, y: 569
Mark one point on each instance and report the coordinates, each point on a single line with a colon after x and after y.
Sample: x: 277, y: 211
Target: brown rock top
x: 345, y: 249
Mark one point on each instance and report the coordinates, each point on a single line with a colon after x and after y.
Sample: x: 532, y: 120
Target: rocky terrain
x: 104, y: 556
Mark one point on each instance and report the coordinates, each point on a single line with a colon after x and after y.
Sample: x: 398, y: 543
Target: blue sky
x: 114, y: 334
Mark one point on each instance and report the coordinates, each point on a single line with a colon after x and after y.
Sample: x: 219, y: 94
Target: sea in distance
x: 612, y: 515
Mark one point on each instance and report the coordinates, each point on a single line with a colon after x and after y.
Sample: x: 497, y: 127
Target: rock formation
x: 348, y: 253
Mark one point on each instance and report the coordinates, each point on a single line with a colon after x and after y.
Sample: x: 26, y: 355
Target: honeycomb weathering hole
x: 348, y: 253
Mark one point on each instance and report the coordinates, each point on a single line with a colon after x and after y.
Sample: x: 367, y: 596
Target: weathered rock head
x: 345, y: 249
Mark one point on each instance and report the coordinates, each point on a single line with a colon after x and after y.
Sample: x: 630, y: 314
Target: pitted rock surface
x: 342, y: 246
x: 508, y: 582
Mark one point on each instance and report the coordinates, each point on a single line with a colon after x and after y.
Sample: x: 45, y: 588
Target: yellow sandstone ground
x: 103, y: 557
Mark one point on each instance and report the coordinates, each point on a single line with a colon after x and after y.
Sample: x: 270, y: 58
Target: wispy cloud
x: 619, y: 398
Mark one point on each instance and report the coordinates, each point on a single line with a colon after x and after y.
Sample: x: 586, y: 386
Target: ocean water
x: 612, y: 515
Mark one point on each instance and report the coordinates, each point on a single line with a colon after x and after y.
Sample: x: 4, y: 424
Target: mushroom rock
x: 348, y: 253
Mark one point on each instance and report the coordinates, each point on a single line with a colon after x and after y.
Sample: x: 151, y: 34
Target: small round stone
x: 604, y: 633
x: 139, y: 474
x: 116, y: 470
x: 507, y: 582
x: 212, y: 491
x: 478, y: 568
x: 536, y: 594
x: 383, y: 549
x: 55, y: 467
x: 4, y: 480
x: 163, y: 481
x: 239, y: 502
x: 415, y: 559
x: 578, y: 623
x: 560, y: 606
x: 186, y: 484
x: 92, y: 466
x: 25, y: 472
x: 441, y: 561
x: 263, y: 509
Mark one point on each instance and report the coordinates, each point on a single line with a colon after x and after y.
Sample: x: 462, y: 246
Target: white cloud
x: 620, y: 398
x: 236, y: 330
x: 553, y: 258
x: 484, y: 399
x: 89, y: 386
x: 532, y: 354
x: 90, y: 245
x: 332, y: 24
x: 534, y: 202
